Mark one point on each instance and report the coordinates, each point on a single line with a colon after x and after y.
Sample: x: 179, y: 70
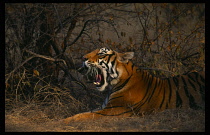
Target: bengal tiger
x: 136, y: 92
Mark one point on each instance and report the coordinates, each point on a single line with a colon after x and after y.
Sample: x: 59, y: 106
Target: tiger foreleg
x: 104, y: 113
x: 81, y: 117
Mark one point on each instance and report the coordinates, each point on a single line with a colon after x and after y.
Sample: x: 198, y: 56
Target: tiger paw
x: 71, y: 119
x: 79, y: 117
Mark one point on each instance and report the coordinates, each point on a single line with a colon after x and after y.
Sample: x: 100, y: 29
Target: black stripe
x: 112, y: 71
x: 113, y: 107
x: 162, y: 99
x: 101, y: 57
x: 132, y: 66
x: 202, y: 87
x: 160, y: 84
x: 151, y: 95
x: 191, y: 83
x: 126, y: 69
x: 115, y: 98
x: 193, y: 105
x: 196, y: 80
x: 145, y: 75
x: 115, y: 114
x: 166, y: 106
x: 117, y: 72
x: 138, y: 107
x: 176, y: 81
x: 185, y: 87
x: 196, y: 77
x: 190, y: 77
x: 202, y: 92
x: 178, y: 100
x: 170, y: 92
x: 104, y: 64
x: 155, y: 89
x: 110, y: 58
x: 121, y: 86
x: 202, y: 79
x: 145, y: 98
x: 113, y: 61
x: 148, y: 86
x: 148, y: 80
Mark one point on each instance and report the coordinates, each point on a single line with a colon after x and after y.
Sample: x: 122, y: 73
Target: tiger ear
x: 124, y: 57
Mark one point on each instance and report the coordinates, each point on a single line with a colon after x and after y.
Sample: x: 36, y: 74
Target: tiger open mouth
x: 95, y: 75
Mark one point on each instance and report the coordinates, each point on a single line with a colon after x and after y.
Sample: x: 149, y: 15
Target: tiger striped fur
x: 136, y: 92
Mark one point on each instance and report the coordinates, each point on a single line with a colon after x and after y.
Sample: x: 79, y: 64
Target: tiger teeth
x: 96, y: 83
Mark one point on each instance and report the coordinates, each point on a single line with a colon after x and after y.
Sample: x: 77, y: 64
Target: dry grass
x: 176, y: 120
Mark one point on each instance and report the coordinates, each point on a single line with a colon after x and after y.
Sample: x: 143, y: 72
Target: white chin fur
x: 102, y: 88
x: 114, y: 81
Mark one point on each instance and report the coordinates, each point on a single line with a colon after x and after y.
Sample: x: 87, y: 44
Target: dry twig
x: 34, y: 55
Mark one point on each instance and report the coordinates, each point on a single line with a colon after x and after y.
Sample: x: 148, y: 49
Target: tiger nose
x: 84, y: 58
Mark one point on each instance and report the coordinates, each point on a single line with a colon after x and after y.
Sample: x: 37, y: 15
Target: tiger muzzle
x: 94, y: 75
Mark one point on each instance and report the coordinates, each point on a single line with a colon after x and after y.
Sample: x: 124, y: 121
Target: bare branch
x: 157, y: 70
x: 83, y: 29
x: 167, y: 26
x: 145, y: 32
x: 46, y: 57
x: 69, y: 19
x: 9, y: 75
x: 35, y: 55
x: 64, y: 68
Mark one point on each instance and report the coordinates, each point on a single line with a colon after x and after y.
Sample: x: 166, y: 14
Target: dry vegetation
x: 44, y: 44
x: 179, y: 120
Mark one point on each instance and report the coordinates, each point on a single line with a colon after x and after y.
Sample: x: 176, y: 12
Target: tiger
x: 136, y: 92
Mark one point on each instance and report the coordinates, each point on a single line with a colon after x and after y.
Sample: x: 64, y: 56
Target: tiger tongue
x: 98, y: 79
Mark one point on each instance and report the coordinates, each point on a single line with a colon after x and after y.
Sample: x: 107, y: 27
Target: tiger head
x: 106, y: 66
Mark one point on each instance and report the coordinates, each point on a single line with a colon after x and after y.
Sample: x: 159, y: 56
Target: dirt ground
x: 178, y: 120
